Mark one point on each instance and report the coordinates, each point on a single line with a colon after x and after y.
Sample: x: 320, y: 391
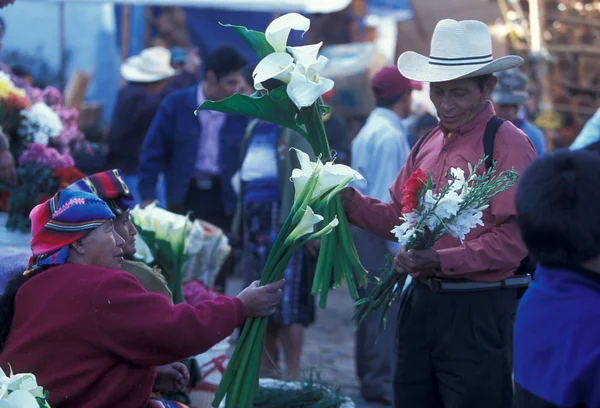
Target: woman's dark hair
x: 7, y: 303
x: 426, y: 121
x: 557, y: 208
x: 21, y: 71
x: 224, y: 60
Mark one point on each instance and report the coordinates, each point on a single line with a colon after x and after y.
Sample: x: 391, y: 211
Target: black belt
x: 445, y: 285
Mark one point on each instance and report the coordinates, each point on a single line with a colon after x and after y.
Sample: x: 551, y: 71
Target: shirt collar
x: 384, y: 113
x: 479, y: 122
x: 201, y: 98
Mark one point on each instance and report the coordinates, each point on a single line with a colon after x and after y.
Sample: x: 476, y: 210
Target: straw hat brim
x: 417, y: 67
x: 131, y: 72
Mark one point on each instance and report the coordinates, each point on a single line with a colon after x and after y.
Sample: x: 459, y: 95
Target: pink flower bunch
x: 39, y: 154
x: 69, y: 118
x: 35, y: 94
x: 52, y: 96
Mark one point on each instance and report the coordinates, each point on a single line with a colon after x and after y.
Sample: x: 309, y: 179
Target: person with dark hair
x: 378, y: 152
x: 23, y: 73
x: 556, y: 338
x: 146, y: 74
x: 198, y: 154
x: 89, y: 331
x: 424, y: 124
x: 509, y: 97
x: 187, y: 64
x: 454, y: 328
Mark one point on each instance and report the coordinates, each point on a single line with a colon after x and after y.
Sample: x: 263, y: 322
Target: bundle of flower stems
x: 240, y: 381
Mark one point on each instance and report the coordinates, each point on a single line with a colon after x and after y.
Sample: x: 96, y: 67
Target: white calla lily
x: 306, y: 86
x: 278, y: 31
x: 306, y: 225
x: 331, y: 177
x: 278, y: 65
x: 307, y: 168
x: 328, y: 228
x: 306, y: 55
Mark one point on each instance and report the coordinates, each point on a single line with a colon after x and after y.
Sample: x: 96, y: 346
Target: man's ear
x: 489, y: 86
x: 78, y: 247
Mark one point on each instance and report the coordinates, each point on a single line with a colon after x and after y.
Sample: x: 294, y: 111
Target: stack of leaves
x: 165, y: 234
x: 309, y: 393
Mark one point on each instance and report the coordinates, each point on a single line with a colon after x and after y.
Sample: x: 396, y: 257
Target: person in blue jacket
x: 198, y: 154
x: 556, y: 333
x: 508, y: 97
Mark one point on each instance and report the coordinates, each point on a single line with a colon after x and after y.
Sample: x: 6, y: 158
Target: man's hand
x: 171, y: 377
x: 424, y: 261
x: 346, y: 195
x: 8, y: 172
x: 261, y: 301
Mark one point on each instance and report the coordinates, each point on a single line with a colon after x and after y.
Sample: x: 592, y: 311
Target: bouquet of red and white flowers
x: 427, y: 216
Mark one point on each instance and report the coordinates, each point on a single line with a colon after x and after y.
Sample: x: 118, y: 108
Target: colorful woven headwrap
x: 109, y: 186
x: 60, y: 221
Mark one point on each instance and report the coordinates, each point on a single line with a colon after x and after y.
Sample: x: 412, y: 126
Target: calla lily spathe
x: 306, y: 85
x: 306, y: 225
x: 278, y: 65
x: 278, y: 31
x: 330, y: 176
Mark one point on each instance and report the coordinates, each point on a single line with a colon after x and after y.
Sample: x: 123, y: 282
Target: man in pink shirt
x: 454, y: 336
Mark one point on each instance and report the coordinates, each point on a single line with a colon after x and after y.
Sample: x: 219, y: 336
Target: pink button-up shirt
x: 207, y: 159
x: 491, y: 252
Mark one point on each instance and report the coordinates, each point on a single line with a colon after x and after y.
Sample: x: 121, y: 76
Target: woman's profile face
x: 127, y: 231
x: 103, y: 247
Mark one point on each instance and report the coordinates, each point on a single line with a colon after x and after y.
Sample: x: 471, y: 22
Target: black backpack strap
x: 489, y: 135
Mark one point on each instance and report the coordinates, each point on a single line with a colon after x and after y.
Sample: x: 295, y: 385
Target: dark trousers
x: 373, y: 352
x: 207, y: 205
x: 454, y: 350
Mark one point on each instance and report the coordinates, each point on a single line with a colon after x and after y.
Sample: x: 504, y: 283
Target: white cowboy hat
x: 151, y: 65
x: 459, y: 49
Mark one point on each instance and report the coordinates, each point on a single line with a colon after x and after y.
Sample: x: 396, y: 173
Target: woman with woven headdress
x: 90, y: 332
x: 110, y: 187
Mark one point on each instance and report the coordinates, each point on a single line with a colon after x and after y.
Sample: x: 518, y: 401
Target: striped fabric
x: 154, y: 403
x: 109, y: 186
x: 60, y: 221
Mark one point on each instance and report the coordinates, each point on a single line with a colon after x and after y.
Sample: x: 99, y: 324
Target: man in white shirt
x: 378, y: 152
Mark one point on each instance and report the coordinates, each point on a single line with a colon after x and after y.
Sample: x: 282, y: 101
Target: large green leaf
x: 275, y: 107
x: 255, y: 39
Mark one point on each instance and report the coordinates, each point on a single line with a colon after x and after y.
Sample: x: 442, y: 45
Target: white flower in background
x: 40, y: 123
x: 329, y: 176
x: 142, y: 251
x: 278, y: 31
x: 300, y: 70
x: 306, y: 225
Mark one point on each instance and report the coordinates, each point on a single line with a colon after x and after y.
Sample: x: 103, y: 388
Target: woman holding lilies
x: 89, y: 331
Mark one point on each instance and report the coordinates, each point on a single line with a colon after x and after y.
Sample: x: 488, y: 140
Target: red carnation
x: 411, y: 190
